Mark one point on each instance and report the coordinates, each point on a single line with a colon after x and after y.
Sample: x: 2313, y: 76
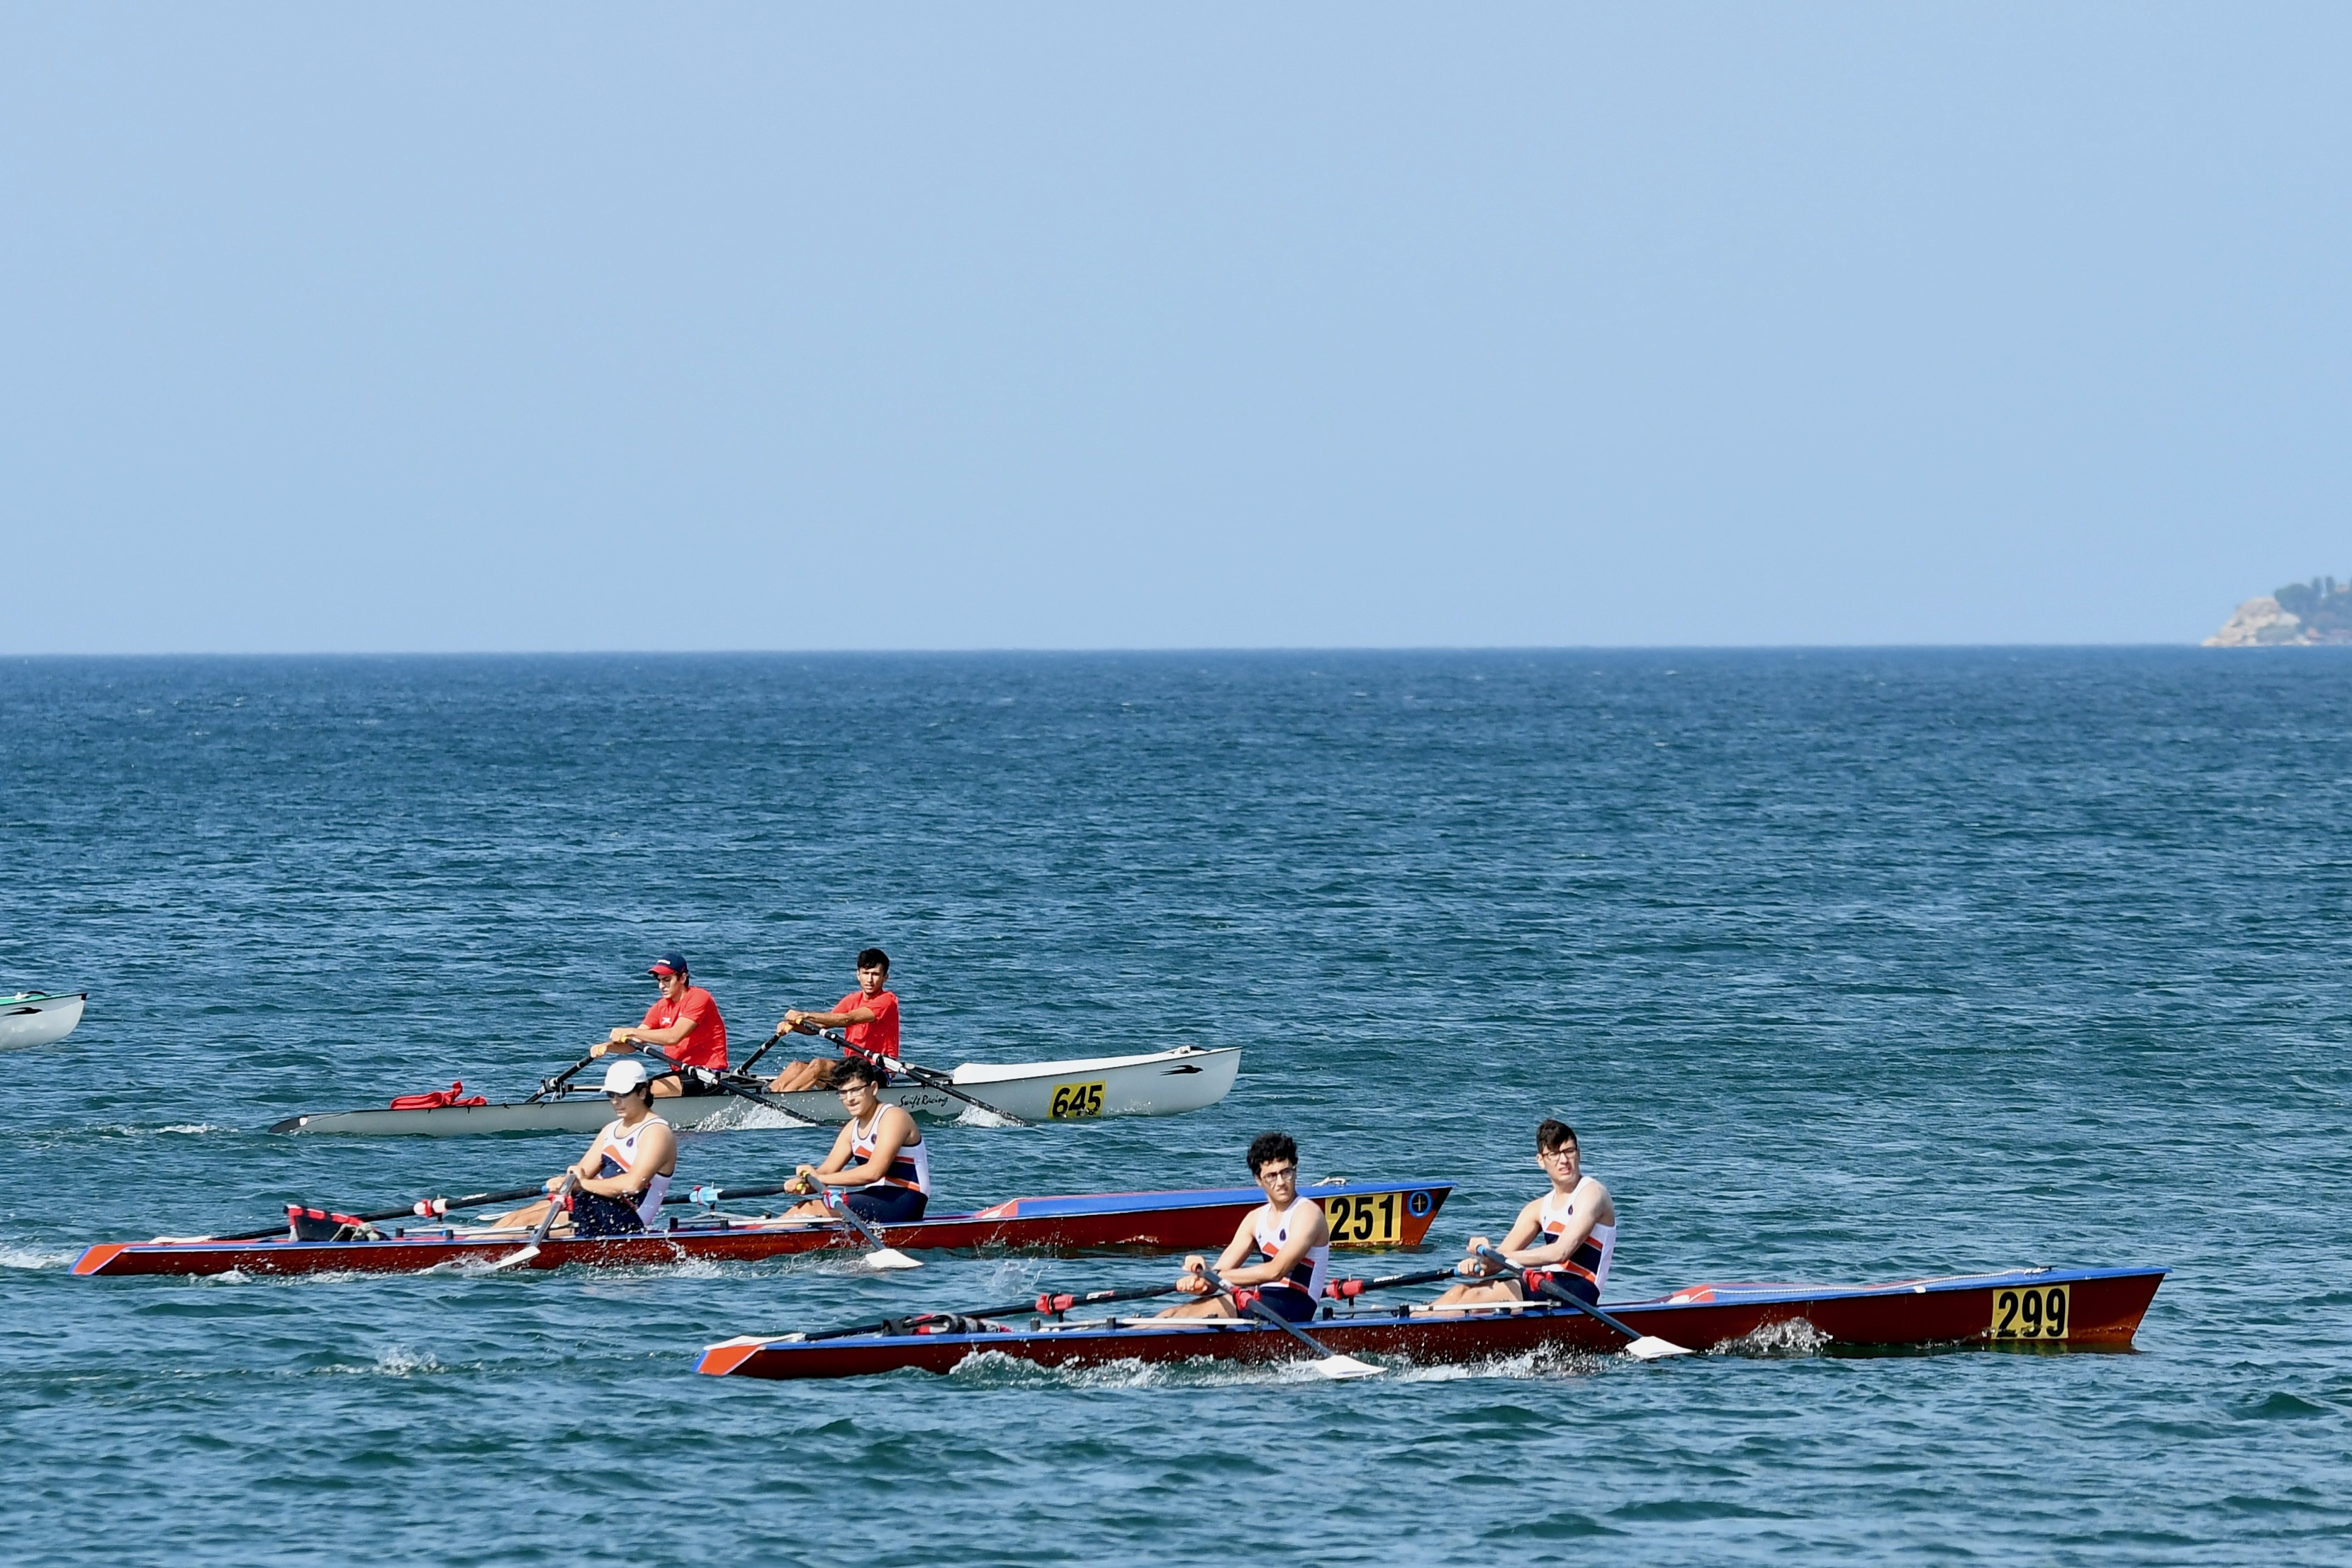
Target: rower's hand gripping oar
x: 530, y: 1250
x: 929, y: 1078
x: 1639, y: 1346
x: 1328, y: 1363
x: 884, y: 1255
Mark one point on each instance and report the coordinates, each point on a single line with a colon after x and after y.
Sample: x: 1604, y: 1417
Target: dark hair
x: 874, y: 958
x: 1553, y: 1134
x: 861, y: 1069
x: 1268, y: 1147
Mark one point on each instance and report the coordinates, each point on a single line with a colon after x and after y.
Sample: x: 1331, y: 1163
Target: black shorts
x: 887, y: 1204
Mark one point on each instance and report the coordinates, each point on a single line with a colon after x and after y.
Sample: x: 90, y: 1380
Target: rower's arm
x: 1582, y: 1216
x: 835, y: 1160
x: 639, y: 1035
x: 826, y: 1020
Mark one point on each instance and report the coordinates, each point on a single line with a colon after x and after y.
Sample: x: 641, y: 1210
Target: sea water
x: 1847, y: 966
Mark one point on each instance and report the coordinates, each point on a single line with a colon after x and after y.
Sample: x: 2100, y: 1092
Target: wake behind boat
x: 2038, y: 1308
x: 1085, y: 1089
x: 32, y: 1018
x: 1364, y: 1214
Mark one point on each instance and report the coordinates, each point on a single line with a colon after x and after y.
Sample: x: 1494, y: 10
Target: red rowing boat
x: 2095, y: 1307
x: 1362, y: 1215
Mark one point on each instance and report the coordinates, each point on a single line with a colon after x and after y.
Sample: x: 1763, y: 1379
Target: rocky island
x: 2298, y: 616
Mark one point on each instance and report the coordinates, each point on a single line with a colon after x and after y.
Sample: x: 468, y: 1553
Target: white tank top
x: 621, y: 1159
x: 1272, y: 1234
x: 1597, y: 1249
x: 910, y: 1168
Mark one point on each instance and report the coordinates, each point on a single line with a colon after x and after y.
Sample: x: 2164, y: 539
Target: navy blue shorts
x: 887, y: 1205
x: 1285, y: 1300
x: 593, y: 1214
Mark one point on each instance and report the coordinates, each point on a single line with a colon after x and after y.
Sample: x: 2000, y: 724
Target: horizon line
x: 1167, y: 650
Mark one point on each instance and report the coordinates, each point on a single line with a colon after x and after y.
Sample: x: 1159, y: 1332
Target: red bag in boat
x: 437, y: 1099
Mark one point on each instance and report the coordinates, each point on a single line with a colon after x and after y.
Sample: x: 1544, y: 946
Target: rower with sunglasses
x: 682, y: 1028
x: 617, y: 1187
x: 1286, y: 1235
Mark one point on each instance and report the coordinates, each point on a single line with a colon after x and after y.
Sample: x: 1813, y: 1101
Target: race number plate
x: 2030, y: 1312
x: 1365, y: 1219
x: 1076, y: 1101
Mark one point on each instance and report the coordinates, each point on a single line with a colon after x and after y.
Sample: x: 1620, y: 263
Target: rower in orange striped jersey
x: 1568, y: 1235
x: 1289, y: 1234
x: 880, y: 1159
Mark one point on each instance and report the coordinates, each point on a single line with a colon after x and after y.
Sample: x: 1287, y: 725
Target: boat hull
x: 1369, y: 1215
x: 38, y: 1018
x: 1162, y: 1083
x: 2096, y: 1309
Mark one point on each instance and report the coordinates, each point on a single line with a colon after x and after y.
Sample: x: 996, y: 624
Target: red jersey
x: 705, y: 1044
x: 881, y: 1036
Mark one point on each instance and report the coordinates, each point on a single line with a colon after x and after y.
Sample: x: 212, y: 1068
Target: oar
x: 1046, y: 1303
x: 884, y: 1255
x: 423, y: 1208
x: 530, y: 1250
x: 1642, y: 1346
x: 1328, y: 1363
x: 764, y: 1050
x: 1348, y: 1289
x: 929, y: 1077
x: 550, y: 1085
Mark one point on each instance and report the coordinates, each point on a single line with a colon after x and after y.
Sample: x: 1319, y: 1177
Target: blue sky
x: 750, y: 326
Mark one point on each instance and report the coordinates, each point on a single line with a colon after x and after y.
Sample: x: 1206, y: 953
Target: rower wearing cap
x: 683, y: 1025
x: 879, y: 1160
x: 1568, y: 1236
x: 617, y: 1187
x: 867, y: 1017
x: 1287, y: 1235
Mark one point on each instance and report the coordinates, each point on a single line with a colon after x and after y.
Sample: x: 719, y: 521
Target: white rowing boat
x: 1086, y: 1088
x: 38, y: 1017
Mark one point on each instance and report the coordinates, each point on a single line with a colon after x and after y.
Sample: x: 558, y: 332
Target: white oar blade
x: 1337, y: 1367
x: 891, y: 1257
x: 516, y: 1260
x: 1649, y: 1347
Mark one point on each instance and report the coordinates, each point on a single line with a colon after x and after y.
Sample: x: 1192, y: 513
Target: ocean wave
x: 1791, y: 1337
x: 36, y: 1258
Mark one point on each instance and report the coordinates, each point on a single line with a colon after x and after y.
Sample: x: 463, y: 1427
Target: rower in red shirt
x: 683, y: 1025
x: 867, y: 1017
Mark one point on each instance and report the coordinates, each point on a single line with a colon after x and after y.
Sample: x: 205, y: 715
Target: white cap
x: 623, y: 1077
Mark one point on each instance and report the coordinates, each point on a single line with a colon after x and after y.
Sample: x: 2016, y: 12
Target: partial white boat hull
x: 1086, y: 1088
x: 38, y: 1018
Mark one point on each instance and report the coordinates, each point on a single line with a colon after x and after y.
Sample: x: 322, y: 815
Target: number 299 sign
x: 2029, y: 1314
